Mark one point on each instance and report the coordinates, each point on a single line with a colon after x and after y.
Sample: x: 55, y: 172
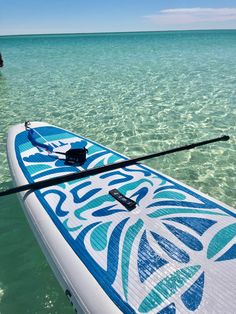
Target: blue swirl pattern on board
x: 193, y: 296
x: 136, y: 253
x: 148, y: 260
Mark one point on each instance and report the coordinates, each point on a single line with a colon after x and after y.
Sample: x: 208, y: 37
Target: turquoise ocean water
x: 136, y: 93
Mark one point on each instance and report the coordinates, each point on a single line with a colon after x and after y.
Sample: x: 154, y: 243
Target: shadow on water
x: 2, y: 77
x: 3, y: 82
x: 27, y: 284
x: 4, y: 88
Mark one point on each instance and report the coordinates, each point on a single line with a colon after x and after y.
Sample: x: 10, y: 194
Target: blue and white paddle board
x: 175, y: 252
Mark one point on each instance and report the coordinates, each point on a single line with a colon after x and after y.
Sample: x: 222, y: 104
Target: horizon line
x: 118, y: 32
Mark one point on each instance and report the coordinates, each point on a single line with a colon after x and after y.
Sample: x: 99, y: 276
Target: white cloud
x: 193, y: 17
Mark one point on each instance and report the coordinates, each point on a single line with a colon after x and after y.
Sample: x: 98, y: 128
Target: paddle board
x: 172, y: 251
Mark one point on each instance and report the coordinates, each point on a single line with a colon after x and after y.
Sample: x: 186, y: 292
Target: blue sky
x: 82, y: 16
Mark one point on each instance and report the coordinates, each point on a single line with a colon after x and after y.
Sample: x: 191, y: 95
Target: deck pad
x: 173, y: 253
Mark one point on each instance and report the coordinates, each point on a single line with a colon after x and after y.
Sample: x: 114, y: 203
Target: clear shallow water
x: 135, y: 93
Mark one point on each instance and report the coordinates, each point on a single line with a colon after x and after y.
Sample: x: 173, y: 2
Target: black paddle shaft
x: 121, y: 164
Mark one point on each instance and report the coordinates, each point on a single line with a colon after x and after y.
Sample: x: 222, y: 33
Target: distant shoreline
x: 114, y: 33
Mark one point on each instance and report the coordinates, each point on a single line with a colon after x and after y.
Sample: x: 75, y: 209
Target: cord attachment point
x: 27, y: 125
